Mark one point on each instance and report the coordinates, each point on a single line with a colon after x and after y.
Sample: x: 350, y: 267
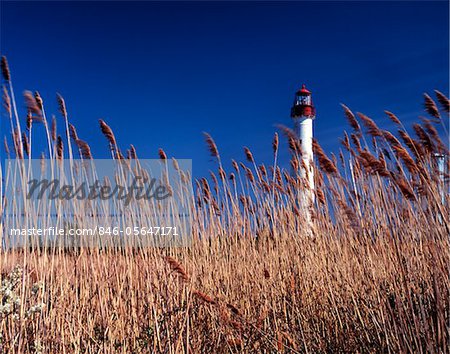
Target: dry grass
x: 362, y: 268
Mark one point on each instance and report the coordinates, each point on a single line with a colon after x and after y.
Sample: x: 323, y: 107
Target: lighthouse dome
x: 304, y: 90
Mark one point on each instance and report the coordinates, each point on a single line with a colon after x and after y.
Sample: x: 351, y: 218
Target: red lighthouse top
x: 304, y: 90
x: 303, y: 105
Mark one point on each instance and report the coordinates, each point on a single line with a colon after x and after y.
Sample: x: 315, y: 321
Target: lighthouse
x: 303, y: 113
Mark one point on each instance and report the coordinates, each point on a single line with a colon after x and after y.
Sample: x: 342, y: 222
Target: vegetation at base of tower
x: 365, y: 270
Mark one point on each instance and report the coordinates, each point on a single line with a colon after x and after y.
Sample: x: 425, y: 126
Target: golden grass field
x: 364, y: 267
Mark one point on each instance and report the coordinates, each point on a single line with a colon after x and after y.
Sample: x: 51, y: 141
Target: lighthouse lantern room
x: 303, y: 106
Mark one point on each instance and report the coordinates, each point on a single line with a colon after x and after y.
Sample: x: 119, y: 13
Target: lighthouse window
x: 303, y: 100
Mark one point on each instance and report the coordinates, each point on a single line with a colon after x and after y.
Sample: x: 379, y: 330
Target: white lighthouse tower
x: 303, y: 112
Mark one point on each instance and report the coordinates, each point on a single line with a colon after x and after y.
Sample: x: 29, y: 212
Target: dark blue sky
x: 161, y: 73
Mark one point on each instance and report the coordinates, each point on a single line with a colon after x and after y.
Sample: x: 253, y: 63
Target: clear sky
x: 162, y: 73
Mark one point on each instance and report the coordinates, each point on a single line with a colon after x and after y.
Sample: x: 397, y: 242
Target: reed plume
x: 26, y: 145
x: 443, y: 100
x: 203, y: 297
x: 430, y: 107
x: 53, y: 128
x: 32, y: 104
x: 85, y: 150
x: 435, y: 135
x: 425, y: 139
x: 5, y: 69
x: 356, y: 142
x: 390, y: 138
x: 17, y: 139
x: 39, y: 100
x: 374, y: 165
x: 133, y: 154
x: 403, y: 155
x: 61, y: 105
x: 249, y: 174
x: 29, y: 120
x: 351, y: 119
x: 262, y: 169
x: 73, y: 132
x: 275, y: 143
x: 278, y: 176
x: 235, y: 165
x: 215, y: 181
x: 108, y: 133
x: 370, y: 125
x: 293, y: 140
x: 6, y: 100
x: 59, y: 148
x: 177, y: 268
x: 162, y: 154
x: 325, y: 163
x: 404, y: 187
x: 222, y: 174
x: 248, y: 154
x: 212, y: 147
x: 345, y: 142
x: 294, y: 164
x: 175, y: 164
x: 393, y: 117
x: 341, y: 158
